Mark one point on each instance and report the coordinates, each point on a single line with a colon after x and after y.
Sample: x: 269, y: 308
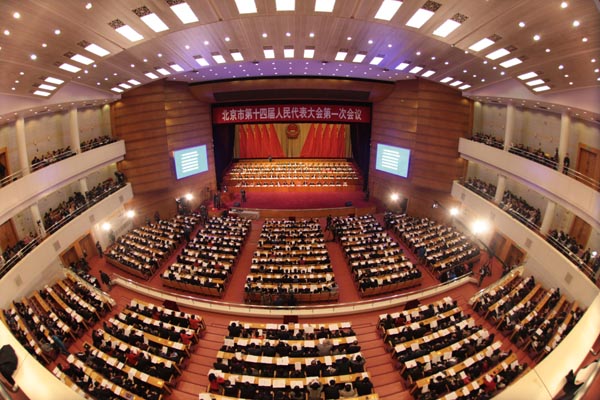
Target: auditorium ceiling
x: 547, y: 46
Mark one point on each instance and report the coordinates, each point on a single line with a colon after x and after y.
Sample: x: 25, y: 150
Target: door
x: 515, y: 256
x: 580, y: 230
x: 87, y: 243
x: 4, y: 167
x: 8, y: 235
x: 497, y: 244
x: 587, y: 163
x: 69, y: 256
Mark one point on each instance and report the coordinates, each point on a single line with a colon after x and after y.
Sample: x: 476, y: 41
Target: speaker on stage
x: 348, y: 204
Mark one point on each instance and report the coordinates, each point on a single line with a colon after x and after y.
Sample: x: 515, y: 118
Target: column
x: 477, y: 118
x: 35, y: 212
x: 74, y: 131
x: 510, y: 126
x: 83, y: 186
x: 563, y: 144
x: 500, y: 187
x: 548, y: 217
x: 22, y: 145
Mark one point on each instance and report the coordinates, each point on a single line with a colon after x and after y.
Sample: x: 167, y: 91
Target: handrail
x: 574, y: 258
x: 11, y: 262
x: 52, y: 160
x: 389, y: 298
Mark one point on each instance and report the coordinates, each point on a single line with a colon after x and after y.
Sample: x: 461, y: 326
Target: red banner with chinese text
x: 291, y: 113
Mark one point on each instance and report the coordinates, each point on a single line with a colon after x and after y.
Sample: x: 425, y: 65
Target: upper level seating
x: 484, y: 189
x: 573, y: 250
x: 51, y: 157
x: 335, y: 173
x: 489, y: 140
x: 206, y: 263
x: 276, y: 359
x: 96, y: 142
x: 377, y: 262
x: 291, y: 263
x: 519, y: 208
x: 448, y: 252
x: 538, y: 155
x: 142, y: 250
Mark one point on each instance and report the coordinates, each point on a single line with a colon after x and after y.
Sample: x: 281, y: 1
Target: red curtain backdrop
x: 276, y: 148
x: 259, y: 141
x: 326, y: 141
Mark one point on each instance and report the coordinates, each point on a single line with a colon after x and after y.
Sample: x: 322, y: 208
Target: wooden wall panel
x: 154, y: 120
x: 427, y: 118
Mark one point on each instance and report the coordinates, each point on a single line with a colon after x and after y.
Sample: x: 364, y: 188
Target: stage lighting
x: 479, y: 226
x: 106, y: 227
x: 130, y: 213
x: 394, y: 197
x: 454, y: 211
x: 189, y: 196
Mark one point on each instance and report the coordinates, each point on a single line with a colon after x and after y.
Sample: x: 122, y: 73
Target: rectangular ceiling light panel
x: 128, y: 32
x: 359, y: 57
x: 324, y: 5
x: 185, y: 13
x: 82, y: 59
x: 497, y: 54
x: 388, y: 9
x: 201, y: 61
x: 97, y: 50
x: 237, y: 56
x: 55, y: 81
x: 402, y: 66
x: 419, y: 18
x: 285, y: 5
x: 341, y: 55
x: 69, y: 67
x: 246, y: 6
x: 415, y: 70
x: 376, y: 60
x: 446, y: 28
x: 446, y: 79
x: 288, y: 52
x: 527, y: 75
x: 309, y: 52
x: 269, y: 52
x: 428, y: 73
x: 151, y: 75
x: 482, y: 44
x: 510, y: 63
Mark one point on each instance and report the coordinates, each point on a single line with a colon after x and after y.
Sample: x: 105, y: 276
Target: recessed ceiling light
x: 388, y: 9
x: 341, y: 55
x: 541, y: 88
x: 584, y: 40
x: 312, y: 34
x: 285, y: 5
x: 159, y: 55
x: 269, y: 52
x: 246, y: 6
x: 402, y: 66
x: 324, y: 5
x: 535, y: 82
x: 219, y: 59
x: 288, y: 34
x: 564, y: 4
x: 309, y: 52
x: 6, y: 32
x: 288, y: 52
x: 376, y: 60
x: 185, y: 13
x: 33, y: 57
x: 97, y: 50
x: 464, y: 87
x: 236, y: 55
x: 41, y: 93
x: 16, y: 15
x: 134, y: 82
x: 176, y: 67
x: 576, y: 23
x: 428, y: 73
x: 151, y: 19
x: 593, y: 60
x: 201, y: 61
x: 81, y: 59
x: 456, y: 83
x: 57, y: 32
x: 21, y: 73
x: 482, y: 44
x: 359, y: 57
x: 55, y: 81
x: 561, y: 66
x: 566, y: 75
x: 418, y: 53
x: 415, y: 70
x: 125, y: 86
x: 528, y: 75
x: 132, y: 65
x: 497, y: 54
x: 44, y: 45
x: 521, y: 24
x: 449, y: 26
x: 162, y: 71
x: 536, y: 37
x: 349, y: 38
x: 125, y: 30
x: 88, y: 6
x: 420, y: 17
x: 570, y: 83
x: 548, y: 50
x: 511, y: 63
x: 447, y: 79
x: 117, y: 89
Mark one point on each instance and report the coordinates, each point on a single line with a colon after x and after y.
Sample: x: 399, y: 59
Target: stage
x: 303, y: 204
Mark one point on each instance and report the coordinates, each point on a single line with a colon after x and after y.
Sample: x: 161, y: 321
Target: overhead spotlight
x: 106, y: 227
x: 454, y: 211
x: 189, y: 196
x: 394, y: 197
x: 479, y: 226
x: 130, y: 214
